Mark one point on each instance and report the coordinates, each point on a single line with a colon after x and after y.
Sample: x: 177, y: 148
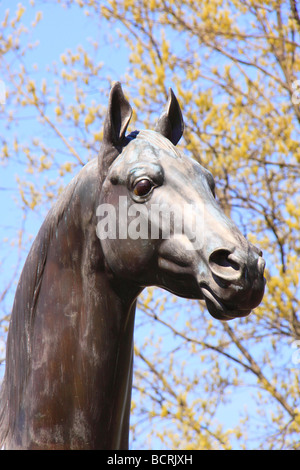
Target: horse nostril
x: 224, y: 266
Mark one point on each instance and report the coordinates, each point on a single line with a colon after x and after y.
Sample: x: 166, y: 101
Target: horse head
x: 161, y: 224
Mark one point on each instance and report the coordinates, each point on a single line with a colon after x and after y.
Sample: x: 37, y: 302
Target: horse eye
x: 142, y: 187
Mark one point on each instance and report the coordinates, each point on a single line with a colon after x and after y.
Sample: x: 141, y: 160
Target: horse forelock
x: 158, y: 141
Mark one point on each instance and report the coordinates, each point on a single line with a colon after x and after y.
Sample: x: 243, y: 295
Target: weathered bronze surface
x: 69, y: 358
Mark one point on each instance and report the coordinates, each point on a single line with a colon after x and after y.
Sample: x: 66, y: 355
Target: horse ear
x: 117, y: 118
x: 171, y: 124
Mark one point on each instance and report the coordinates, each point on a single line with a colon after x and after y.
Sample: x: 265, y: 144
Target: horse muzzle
x: 235, y: 284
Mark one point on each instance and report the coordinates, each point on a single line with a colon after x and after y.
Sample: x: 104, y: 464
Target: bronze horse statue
x: 69, y: 357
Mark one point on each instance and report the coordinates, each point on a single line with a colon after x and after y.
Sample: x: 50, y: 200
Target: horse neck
x: 80, y: 332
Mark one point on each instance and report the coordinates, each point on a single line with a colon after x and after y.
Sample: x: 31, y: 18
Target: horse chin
x: 219, y: 309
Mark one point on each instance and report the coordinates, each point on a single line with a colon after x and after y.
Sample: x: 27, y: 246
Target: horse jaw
x: 188, y: 274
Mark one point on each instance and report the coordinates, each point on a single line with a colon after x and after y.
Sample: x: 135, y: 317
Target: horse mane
x: 18, y: 356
